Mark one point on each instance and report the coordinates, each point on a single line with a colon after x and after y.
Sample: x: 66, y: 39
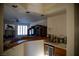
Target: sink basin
x: 20, y: 41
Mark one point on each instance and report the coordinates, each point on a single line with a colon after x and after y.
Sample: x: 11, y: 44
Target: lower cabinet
x: 48, y: 50
x: 59, y: 52
x: 53, y: 51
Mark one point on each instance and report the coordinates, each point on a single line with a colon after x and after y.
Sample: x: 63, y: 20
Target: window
x: 31, y: 31
x: 22, y: 30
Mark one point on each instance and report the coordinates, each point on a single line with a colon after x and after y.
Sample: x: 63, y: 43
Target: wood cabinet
x: 53, y: 51
x: 37, y: 30
x: 59, y: 52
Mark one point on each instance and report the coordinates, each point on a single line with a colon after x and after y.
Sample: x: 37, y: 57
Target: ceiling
x: 35, y: 9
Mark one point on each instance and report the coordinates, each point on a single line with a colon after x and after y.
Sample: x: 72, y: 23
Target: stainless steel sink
x: 20, y: 41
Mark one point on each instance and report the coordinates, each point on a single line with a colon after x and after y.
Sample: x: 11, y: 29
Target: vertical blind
x: 22, y: 30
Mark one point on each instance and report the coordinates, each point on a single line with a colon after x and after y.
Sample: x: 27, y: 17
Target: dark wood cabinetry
x: 53, y: 51
x: 37, y: 30
x: 59, y: 52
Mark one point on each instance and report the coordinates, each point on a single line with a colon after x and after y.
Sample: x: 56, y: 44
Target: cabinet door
x: 59, y: 52
x: 15, y: 51
x: 34, y: 48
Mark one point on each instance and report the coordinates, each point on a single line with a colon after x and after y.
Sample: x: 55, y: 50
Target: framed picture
x: 9, y: 26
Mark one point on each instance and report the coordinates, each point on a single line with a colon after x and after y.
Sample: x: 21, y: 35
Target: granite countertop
x: 13, y: 44
x: 24, y: 39
x: 59, y: 45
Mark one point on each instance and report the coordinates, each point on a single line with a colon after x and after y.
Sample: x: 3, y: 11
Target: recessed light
x: 42, y: 15
x: 27, y: 12
x: 14, y: 6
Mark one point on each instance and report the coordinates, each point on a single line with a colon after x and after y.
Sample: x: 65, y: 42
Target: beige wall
x: 70, y: 29
x: 1, y: 28
x: 57, y: 24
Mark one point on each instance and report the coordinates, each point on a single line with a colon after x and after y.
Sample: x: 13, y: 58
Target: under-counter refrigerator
x: 48, y: 50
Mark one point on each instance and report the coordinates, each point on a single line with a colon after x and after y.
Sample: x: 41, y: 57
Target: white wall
x: 57, y: 24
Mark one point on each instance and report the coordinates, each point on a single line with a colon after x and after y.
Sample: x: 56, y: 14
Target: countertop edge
x: 56, y: 45
x: 16, y: 44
